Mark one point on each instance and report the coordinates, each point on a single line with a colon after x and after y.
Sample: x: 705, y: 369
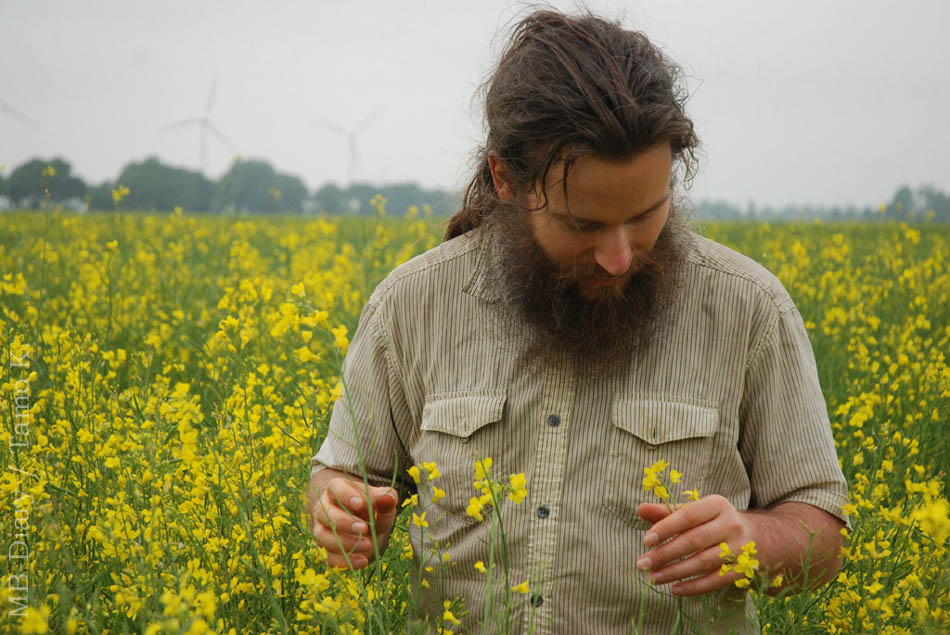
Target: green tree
x: 99, y: 197
x: 331, y: 199
x: 155, y: 186
x: 254, y: 186
x: 29, y: 183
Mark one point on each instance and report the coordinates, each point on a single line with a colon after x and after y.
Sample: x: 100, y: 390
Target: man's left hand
x: 685, y: 543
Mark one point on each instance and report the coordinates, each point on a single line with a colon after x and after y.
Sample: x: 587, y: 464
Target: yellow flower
x: 776, y: 581
x: 480, y: 567
x: 432, y: 470
x: 483, y: 468
x: 693, y: 494
x: 660, y: 492
x: 724, y: 551
x: 49, y: 172
x: 521, y: 588
x: 448, y: 616
x: 420, y: 521
x: 650, y: 480
x: 414, y: 473
x: 742, y: 583
x: 119, y: 193
x: 675, y: 476
x: 474, y: 509
x: 437, y: 494
x: 340, y: 340
x: 112, y: 245
x: 518, y: 488
x: 36, y: 620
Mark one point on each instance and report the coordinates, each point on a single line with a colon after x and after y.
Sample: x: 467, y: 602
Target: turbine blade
x: 329, y: 126
x: 191, y: 121
x: 366, y: 122
x: 19, y: 116
x: 220, y: 136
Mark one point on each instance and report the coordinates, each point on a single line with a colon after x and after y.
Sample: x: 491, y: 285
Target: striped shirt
x: 727, y: 393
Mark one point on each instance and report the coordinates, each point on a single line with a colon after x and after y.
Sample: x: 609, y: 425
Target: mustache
x: 590, y: 270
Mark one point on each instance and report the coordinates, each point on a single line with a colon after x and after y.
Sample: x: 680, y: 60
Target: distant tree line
x: 249, y: 186
x: 925, y: 203
x: 254, y: 186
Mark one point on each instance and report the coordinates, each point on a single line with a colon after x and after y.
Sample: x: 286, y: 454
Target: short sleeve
x: 786, y: 441
x: 362, y: 431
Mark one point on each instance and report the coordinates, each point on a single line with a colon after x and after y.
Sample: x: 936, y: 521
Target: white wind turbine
x: 354, y: 166
x: 204, y: 122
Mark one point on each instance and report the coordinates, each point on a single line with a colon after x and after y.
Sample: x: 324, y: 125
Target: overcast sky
x: 795, y: 101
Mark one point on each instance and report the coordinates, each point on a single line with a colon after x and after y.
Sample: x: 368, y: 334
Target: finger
x: 386, y: 507
x: 330, y: 513
x: 348, y: 495
x: 338, y: 543
x: 384, y: 499
x: 694, y: 541
x: 706, y: 584
x: 706, y: 561
x: 338, y: 561
x: 690, y: 515
x: 653, y: 513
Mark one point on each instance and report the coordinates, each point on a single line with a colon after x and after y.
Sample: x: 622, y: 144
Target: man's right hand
x: 339, y: 515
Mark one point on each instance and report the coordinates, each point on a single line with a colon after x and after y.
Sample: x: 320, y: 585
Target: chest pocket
x: 454, y: 431
x: 644, y: 431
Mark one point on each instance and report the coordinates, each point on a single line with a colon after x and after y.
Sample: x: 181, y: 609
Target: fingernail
x: 644, y: 564
x: 359, y: 561
x: 355, y: 501
x: 359, y: 528
x: 650, y: 539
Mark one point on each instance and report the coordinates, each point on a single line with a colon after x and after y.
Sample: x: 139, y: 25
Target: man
x: 572, y: 329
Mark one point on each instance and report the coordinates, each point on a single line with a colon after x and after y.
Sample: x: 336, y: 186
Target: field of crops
x: 166, y: 379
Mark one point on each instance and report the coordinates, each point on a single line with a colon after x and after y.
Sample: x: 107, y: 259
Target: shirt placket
x: 546, y: 490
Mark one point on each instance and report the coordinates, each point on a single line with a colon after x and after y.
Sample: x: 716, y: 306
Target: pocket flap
x: 657, y: 422
x: 461, y: 415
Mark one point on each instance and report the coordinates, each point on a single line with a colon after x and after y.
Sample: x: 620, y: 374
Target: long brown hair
x: 571, y: 86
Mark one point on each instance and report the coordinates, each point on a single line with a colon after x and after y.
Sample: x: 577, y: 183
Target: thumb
x: 653, y: 513
x: 384, y: 499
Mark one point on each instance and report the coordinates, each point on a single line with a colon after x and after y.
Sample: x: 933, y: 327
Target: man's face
x: 591, y: 274
x: 611, y: 219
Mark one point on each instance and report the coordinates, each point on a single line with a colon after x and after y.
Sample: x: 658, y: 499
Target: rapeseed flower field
x: 166, y: 379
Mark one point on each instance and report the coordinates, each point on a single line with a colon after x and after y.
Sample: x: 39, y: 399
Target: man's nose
x: 613, y: 253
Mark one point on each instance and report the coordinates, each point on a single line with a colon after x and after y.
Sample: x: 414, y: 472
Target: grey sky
x: 795, y: 101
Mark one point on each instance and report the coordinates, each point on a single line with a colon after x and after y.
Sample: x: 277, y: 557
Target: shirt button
x: 650, y: 446
x: 543, y: 512
x: 537, y: 600
x: 554, y: 421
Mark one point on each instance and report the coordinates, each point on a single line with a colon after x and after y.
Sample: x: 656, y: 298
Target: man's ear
x: 499, y: 177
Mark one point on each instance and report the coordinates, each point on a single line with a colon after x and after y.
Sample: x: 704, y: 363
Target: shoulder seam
x: 397, y: 276
x: 703, y: 262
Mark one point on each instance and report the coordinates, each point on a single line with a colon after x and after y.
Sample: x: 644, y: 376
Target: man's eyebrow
x: 585, y: 221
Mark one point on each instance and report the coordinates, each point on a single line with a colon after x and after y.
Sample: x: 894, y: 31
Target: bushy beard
x: 600, y: 330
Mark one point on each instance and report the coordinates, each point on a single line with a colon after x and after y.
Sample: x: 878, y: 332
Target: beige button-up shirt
x: 727, y: 393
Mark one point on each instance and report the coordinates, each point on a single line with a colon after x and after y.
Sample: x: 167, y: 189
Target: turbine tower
x: 206, y: 126
x: 354, y: 166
